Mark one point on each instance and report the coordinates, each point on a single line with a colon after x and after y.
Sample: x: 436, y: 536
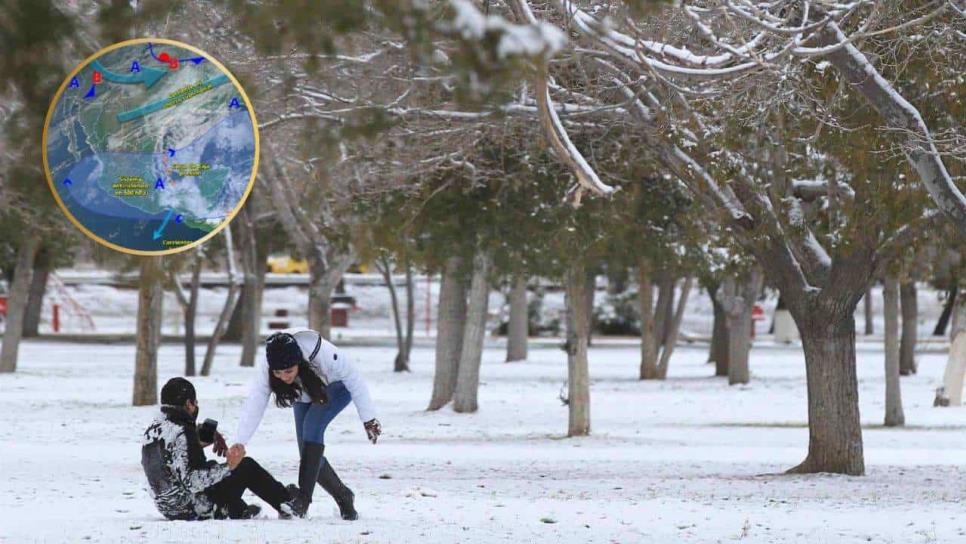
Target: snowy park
x: 688, y: 459
x: 474, y: 271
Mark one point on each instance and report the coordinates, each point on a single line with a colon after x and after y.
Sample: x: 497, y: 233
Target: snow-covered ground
x: 685, y: 460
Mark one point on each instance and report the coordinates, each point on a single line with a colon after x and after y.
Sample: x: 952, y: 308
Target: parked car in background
x: 286, y: 264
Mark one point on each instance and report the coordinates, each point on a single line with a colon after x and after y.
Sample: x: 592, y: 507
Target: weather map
x: 150, y: 146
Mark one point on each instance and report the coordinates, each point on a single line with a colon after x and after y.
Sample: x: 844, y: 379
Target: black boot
x: 344, y: 497
x: 308, y: 474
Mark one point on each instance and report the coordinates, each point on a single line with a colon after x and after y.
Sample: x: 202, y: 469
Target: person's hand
x: 235, y: 455
x: 221, y: 448
x: 373, y: 429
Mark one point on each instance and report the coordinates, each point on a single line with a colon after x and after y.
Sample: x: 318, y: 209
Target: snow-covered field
x: 685, y: 460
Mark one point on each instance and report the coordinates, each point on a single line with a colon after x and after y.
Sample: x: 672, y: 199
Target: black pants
x: 247, y: 475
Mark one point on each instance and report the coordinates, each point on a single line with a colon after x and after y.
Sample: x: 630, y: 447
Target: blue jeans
x: 311, y: 419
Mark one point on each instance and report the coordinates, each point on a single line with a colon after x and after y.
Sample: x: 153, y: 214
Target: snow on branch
x: 536, y: 40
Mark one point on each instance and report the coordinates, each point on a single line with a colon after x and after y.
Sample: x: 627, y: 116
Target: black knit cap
x: 282, y: 351
x: 177, y: 391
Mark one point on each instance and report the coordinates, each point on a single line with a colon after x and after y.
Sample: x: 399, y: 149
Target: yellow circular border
x: 50, y: 179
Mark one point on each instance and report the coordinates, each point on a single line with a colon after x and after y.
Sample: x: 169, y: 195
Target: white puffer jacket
x: 331, y: 365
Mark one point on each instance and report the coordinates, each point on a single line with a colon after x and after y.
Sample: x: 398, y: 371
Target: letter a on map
x: 135, y: 67
x: 234, y: 104
x: 74, y: 83
x: 159, y: 184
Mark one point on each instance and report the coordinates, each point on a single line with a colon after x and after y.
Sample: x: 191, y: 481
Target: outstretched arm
x: 254, y: 408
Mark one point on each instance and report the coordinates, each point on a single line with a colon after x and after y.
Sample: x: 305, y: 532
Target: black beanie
x: 282, y: 351
x: 177, y: 391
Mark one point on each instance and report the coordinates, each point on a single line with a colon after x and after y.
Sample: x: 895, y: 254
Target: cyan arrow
x: 157, y: 233
x: 148, y: 76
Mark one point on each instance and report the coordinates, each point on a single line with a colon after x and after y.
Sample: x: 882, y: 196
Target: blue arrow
x: 92, y: 92
x: 68, y: 182
x: 196, y: 60
x: 148, y: 76
x: 170, y: 152
x: 151, y: 50
x: 157, y: 233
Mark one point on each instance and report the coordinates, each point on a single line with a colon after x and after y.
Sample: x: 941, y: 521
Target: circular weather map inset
x: 150, y: 146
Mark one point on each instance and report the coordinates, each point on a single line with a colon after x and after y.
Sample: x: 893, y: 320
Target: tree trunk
x: 35, y: 300
x: 834, y: 432
x: 17, y: 302
x: 320, y: 305
x: 191, y: 313
x: 645, y: 297
x: 385, y: 268
x: 737, y: 297
x: 590, y: 291
x: 149, y: 317
x: 719, y: 335
x: 943, y: 321
x: 578, y: 325
x: 869, y: 323
x: 449, y: 331
x: 910, y: 322
x: 893, y: 398
x: 518, y: 327
x: 410, y: 316
x: 673, y: 328
x: 665, y: 304
x: 251, y: 300
x: 474, y: 332
x: 228, y: 309
x: 951, y: 392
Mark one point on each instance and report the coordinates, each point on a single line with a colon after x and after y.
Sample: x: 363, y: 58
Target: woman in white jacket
x: 314, y: 377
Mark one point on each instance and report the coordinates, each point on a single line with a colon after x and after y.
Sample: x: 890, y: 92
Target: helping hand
x: 235, y: 455
x: 373, y: 429
x: 221, y: 448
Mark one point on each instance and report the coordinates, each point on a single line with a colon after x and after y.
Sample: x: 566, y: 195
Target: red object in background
x: 55, y: 322
x: 173, y: 64
x: 339, y: 317
x: 3, y: 306
x: 164, y: 57
x: 98, y: 77
x: 757, y: 314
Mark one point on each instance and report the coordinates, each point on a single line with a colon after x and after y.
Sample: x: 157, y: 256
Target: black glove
x: 220, y: 447
x: 373, y: 429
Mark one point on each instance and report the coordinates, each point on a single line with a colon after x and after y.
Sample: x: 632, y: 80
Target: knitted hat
x: 177, y: 391
x: 282, y: 351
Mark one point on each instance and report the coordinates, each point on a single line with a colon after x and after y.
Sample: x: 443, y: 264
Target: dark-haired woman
x: 315, y: 378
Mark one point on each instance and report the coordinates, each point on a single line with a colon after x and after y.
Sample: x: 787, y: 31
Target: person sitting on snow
x: 185, y: 485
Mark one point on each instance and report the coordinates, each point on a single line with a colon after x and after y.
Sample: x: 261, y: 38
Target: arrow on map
x: 148, y: 76
x: 157, y: 233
